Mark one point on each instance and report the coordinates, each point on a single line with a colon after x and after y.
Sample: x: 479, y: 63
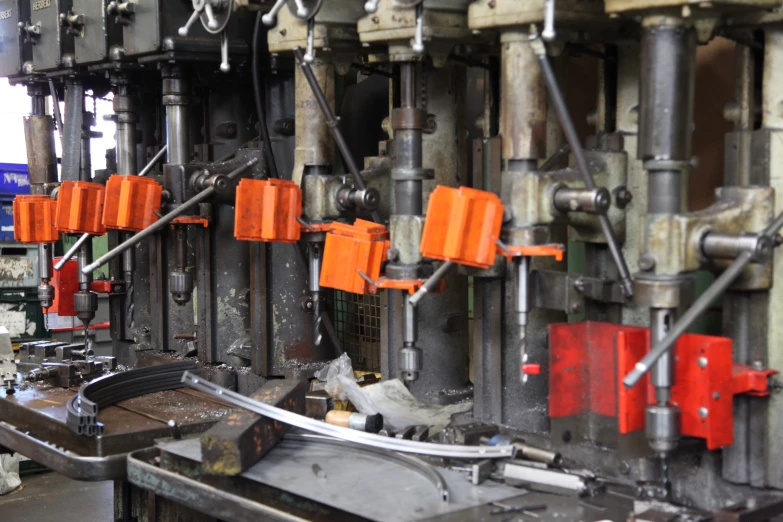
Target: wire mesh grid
x: 358, y: 324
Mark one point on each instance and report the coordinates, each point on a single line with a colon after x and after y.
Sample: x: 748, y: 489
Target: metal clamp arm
x: 697, y: 308
x: 163, y: 221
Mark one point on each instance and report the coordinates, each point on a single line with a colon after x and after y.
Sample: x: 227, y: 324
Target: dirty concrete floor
x: 50, y: 497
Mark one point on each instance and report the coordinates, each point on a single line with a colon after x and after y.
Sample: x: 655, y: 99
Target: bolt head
x: 703, y: 412
x: 702, y: 362
x: 646, y: 263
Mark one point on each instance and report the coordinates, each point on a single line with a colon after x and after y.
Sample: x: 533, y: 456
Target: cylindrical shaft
x: 522, y: 306
x: 666, y: 89
x: 664, y: 193
x: 662, y: 374
x: 84, y: 257
x: 147, y: 168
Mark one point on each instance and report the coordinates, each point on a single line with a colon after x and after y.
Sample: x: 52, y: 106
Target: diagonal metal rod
x: 72, y: 251
x: 153, y: 161
x: 333, y: 123
x: 163, y: 221
x: 572, y: 137
x: 697, y: 308
x: 56, y: 108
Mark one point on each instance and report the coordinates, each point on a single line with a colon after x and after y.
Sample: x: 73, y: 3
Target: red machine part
x: 131, y: 203
x: 66, y: 284
x: 80, y: 208
x: 588, y: 361
x: 34, y: 219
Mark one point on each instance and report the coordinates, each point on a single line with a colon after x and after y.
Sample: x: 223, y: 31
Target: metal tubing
x: 71, y: 251
x: 430, y: 284
x: 556, y: 96
x: 56, y: 108
x: 697, y: 308
x: 84, y: 256
x: 154, y: 161
x: 333, y: 125
x: 165, y: 220
x: 347, y: 434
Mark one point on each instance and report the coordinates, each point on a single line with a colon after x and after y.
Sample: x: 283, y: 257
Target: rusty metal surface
x: 241, y: 438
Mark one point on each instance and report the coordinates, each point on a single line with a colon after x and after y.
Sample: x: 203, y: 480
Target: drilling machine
x: 297, y: 180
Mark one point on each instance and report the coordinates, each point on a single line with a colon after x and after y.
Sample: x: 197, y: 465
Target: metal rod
x: 154, y: 160
x: 163, y: 221
x: 430, y: 284
x: 357, y: 437
x: 572, y: 137
x: 333, y: 124
x: 697, y: 308
x: 71, y: 252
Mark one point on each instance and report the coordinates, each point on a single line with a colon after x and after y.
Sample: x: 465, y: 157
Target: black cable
x: 262, y: 127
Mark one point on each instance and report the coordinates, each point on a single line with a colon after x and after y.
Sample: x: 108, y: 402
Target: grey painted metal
x: 413, y: 463
x: 357, y: 437
x: 164, y: 220
x: 71, y: 251
x: 557, y: 100
x: 697, y: 308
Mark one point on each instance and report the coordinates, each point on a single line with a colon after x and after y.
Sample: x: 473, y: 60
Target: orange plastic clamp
x: 34, y: 219
x: 553, y: 250
x: 350, y: 249
x: 407, y: 285
x: 131, y: 203
x: 80, y: 208
x: 462, y: 225
x: 191, y: 220
x: 267, y: 210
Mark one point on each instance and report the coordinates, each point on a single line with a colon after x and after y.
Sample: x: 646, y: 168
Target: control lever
x: 698, y: 307
x: 163, y: 221
x: 371, y: 6
x: 333, y: 124
x: 556, y: 96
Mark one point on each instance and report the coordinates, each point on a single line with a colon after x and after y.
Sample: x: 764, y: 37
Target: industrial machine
x: 402, y: 181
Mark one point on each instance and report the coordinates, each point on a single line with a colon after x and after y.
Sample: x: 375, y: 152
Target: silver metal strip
x: 358, y: 437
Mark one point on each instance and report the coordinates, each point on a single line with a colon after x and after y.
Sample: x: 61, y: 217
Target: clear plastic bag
x: 329, y: 374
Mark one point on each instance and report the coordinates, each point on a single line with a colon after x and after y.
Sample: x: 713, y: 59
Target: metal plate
x: 54, y: 41
x: 351, y: 478
x: 100, y: 31
x: 12, y: 52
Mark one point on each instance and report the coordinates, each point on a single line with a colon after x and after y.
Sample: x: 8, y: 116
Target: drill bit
x: 521, y: 269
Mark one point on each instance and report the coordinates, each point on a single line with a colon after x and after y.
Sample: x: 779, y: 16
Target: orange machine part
x: 350, y: 249
x: 552, y: 250
x: 267, y: 210
x: 80, y: 208
x: 463, y: 226
x: 34, y: 219
x: 131, y: 203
